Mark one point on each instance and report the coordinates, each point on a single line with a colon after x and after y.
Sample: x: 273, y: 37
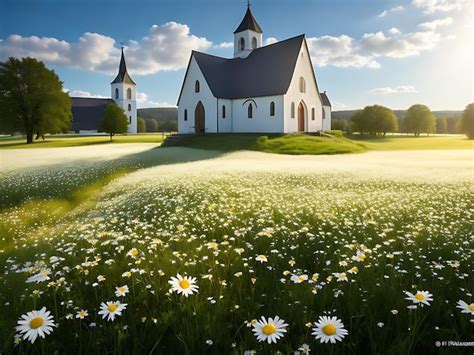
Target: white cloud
x: 394, y: 31
x: 166, y: 47
x: 430, y: 6
x: 80, y: 93
x: 224, y: 45
x: 270, y: 40
x: 402, y: 89
x: 393, y: 9
x: 143, y: 100
x: 433, y: 25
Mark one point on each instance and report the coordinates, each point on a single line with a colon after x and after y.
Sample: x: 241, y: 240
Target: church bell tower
x: 248, y: 36
x: 124, y: 94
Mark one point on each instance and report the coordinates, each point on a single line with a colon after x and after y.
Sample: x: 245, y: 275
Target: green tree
x: 419, y: 119
x: 453, y: 124
x: 141, y: 125
x: 339, y: 124
x: 32, y: 99
x: 113, y: 121
x: 441, y: 125
x: 467, y: 121
x: 151, y: 125
x: 374, y: 120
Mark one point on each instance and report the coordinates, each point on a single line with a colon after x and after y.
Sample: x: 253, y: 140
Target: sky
x: 389, y: 52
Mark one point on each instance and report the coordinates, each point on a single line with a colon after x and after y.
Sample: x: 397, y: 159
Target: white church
x: 263, y: 89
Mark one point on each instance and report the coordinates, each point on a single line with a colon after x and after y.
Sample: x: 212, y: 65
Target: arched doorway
x: 301, y: 117
x: 199, y: 118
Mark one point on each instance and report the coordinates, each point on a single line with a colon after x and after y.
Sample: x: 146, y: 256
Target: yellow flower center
x: 121, y: 289
x: 420, y: 297
x: 362, y: 257
x: 329, y: 329
x: 471, y: 307
x: 82, y: 314
x: 301, y: 278
x: 112, y: 307
x: 37, y: 322
x: 269, y: 329
x: 134, y: 252
x: 184, y: 284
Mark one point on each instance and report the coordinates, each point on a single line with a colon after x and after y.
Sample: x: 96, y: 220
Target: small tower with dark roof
x: 248, y: 36
x: 124, y: 94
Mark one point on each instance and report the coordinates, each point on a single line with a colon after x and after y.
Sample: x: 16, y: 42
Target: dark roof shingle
x: 122, y: 76
x: 325, y: 99
x: 87, y: 112
x: 266, y: 71
x: 249, y: 23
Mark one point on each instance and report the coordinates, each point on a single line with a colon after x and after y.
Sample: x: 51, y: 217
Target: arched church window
x: 292, y: 110
x: 313, y: 113
x: 223, y: 111
x: 130, y: 119
x: 197, y: 86
x: 272, y: 108
x: 242, y: 43
x: 254, y: 43
x: 129, y: 107
x: 250, y: 111
x: 116, y: 94
x: 302, y: 85
x: 185, y: 114
x: 129, y: 94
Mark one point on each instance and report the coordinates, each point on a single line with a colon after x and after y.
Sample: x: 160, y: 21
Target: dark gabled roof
x: 87, y: 112
x: 249, y: 23
x: 266, y: 71
x: 122, y: 76
x: 324, y: 99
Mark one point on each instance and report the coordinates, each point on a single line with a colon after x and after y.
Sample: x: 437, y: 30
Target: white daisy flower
x: 420, y: 297
x: 304, y: 348
x: 35, y: 323
x: 341, y: 276
x: 261, y: 258
x: 111, y: 309
x: 329, y: 329
x: 466, y: 308
x: 270, y: 330
x: 82, y: 314
x: 183, y: 285
x: 133, y: 253
x: 43, y: 275
x: 121, y: 291
x: 297, y: 279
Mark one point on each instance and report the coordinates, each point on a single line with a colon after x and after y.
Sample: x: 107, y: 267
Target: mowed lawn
x: 7, y: 142
x: 404, y: 142
x: 260, y: 235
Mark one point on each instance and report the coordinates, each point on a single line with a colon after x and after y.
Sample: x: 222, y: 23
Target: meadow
x: 194, y: 247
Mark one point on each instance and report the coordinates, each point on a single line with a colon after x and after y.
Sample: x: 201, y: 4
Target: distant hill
x: 167, y: 117
x: 346, y: 115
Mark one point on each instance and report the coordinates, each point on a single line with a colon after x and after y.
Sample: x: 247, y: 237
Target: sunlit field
x: 183, y: 251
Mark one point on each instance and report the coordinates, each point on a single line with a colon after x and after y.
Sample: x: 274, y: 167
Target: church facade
x: 87, y: 112
x: 263, y: 89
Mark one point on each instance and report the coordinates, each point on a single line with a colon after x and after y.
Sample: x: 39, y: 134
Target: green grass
x: 415, y: 143
x: 295, y: 144
x: 76, y: 141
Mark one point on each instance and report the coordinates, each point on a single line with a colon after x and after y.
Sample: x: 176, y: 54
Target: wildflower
x: 329, y: 329
x: 110, y: 309
x: 82, y: 314
x: 341, y: 276
x: 304, y: 348
x: 133, y: 253
x: 212, y: 245
x: 121, y: 291
x: 127, y: 274
x: 360, y: 256
x: 299, y: 278
x: 421, y: 297
x: 466, y: 308
x: 185, y: 285
x: 261, y: 258
x: 35, y: 323
x: 270, y: 330
x: 39, y: 277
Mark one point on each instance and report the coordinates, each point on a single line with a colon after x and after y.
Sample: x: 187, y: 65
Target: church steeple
x: 248, y: 36
x: 123, y: 76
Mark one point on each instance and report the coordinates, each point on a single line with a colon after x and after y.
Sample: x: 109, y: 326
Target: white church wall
x: 310, y: 97
x: 225, y: 123
x: 123, y: 102
x: 261, y: 121
x: 189, y: 99
x: 327, y: 118
x: 248, y: 36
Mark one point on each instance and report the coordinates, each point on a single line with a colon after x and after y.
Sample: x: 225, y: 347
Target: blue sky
x: 395, y: 53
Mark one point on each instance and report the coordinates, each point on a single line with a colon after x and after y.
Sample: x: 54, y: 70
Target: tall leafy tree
x: 114, y: 121
x: 419, y: 119
x: 441, y: 125
x: 467, y: 121
x: 151, y: 125
x: 32, y: 100
x: 374, y: 120
x: 141, y: 125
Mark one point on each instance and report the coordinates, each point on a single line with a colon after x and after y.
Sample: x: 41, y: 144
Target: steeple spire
x: 249, y: 22
x: 123, y: 76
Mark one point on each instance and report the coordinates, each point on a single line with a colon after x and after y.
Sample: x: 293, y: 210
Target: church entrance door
x: 199, y: 118
x: 301, y: 117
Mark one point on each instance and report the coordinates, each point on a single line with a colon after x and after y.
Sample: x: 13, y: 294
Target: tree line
x: 418, y: 119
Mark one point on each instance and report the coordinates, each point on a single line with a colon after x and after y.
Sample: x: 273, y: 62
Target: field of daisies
x: 245, y: 253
